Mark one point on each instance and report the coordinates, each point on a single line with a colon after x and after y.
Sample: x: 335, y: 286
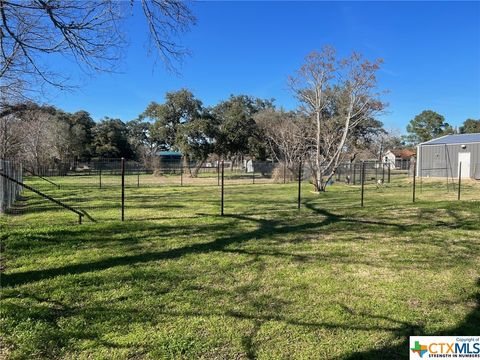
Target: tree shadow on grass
x: 265, y: 229
x: 257, y: 310
x: 216, y: 245
x: 468, y: 327
x: 251, y: 304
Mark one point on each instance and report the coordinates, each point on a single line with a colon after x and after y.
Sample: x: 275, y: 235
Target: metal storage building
x: 441, y: 157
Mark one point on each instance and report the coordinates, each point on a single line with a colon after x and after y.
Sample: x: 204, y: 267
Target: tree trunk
x: 186, y: 165
x: 318, y: 171
x: 197, y: 168
x: 334, y: 161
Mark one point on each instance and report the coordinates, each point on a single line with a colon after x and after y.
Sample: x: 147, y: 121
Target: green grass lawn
x: 175, y: 280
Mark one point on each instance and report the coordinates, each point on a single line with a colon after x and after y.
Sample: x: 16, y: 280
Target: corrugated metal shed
x: 454, y: 139
x: 441, y: 157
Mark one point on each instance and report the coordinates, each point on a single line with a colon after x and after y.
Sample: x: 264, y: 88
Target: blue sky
x: 431, y: 52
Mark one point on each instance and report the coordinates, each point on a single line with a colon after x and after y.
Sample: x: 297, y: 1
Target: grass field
x: 331, y: 281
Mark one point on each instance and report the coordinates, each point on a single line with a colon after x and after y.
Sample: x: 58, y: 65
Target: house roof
x: 454, y: 139
x: 403, y: 153
x: 169, y: 153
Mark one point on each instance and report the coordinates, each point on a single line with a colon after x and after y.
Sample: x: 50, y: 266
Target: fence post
x: 123, y: 187
x: 389, y: 172
x: 383, y: 172
x: 253, y: 174
x: 138, y: 176
x: 3, y: 183
x: 222, y: 196
x: 362, y: 182
x: 459, y: 179
x: 414, y: 179
x: 284, y: 172
x: 218, y: 173
x: 20, y: 178
x: 181, y: 174
x: 9, y: 185
x: 299, y: 184
x: 100, y: 177
x: 354, y: 172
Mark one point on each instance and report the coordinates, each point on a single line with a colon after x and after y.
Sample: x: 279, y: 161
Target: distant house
x: 399, y: 158
x: 248, y: 164
x: 446, y: 156
x: 169, y: 161
x: 169, y: 156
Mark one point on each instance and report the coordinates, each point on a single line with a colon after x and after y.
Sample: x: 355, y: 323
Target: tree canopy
x: 426, y: 126
x: 470, y: 126
x: 110, y: 139
x: 236, y: 130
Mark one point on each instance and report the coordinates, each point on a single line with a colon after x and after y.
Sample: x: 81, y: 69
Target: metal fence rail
x: 9, y: 191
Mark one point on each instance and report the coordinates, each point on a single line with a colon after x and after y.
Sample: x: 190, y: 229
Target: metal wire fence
x: 112, y: 189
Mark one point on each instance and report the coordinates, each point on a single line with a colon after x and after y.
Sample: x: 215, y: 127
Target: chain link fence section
x: 9, y: 191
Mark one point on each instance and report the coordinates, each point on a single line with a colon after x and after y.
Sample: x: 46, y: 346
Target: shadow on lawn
x: 468, y: 327
x: 266, y: 228
x: 262, y: 309
x: 258, y: 308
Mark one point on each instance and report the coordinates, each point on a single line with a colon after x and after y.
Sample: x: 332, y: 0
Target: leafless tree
x: 285, y: 135
x: 309, y: 86
x: 89, y: 32
x: 340, y: 96
x: 384, y: 141
x: 11, y: 138
x: 36, y: 135
x: 39, y: 135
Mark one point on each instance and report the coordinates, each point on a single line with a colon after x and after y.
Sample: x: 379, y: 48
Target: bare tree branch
x: 89, y: 32
x: 338, y: 96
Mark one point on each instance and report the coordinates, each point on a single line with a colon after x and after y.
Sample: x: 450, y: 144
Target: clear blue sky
x: 431, y: 52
